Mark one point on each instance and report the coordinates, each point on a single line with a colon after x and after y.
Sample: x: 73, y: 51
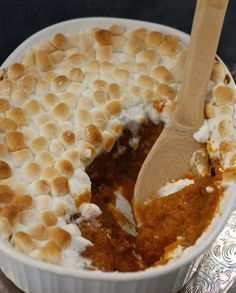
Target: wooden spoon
x: 170, y: 156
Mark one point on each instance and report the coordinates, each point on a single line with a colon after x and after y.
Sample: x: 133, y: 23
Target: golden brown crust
x: 5, y: 170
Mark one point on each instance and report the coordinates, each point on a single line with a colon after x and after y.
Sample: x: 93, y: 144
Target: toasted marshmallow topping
x: 66, y: 102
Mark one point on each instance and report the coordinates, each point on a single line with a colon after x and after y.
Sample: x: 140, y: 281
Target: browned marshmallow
x: 32, y: 107
x: 31, y: 171
x: 65, y: 168
x: 17, y: 115
x: 164, y: 91
x: 19, y: 96
x: 113, y: 108
x: 49, y: 173
x: 82, y: 117
x: 57, y: 56
x: 60, y: 186
x: 23, y: 242
x: 103, y: 37
x: 43, y: 60
x: 139, y: 33
x: 170, y: 46
x: 28, y: 59
x: 51, y: 252
x: 59, y: 235
x: 92, y: 134
x: 3, y: 150
x: 27, y: 83
x: 49, y: 130
x: 61, y: 112
x: 134, y: 45
x: 6, y: 194
x: 121, y: 76
x: 39, y: 144
x: 68, y: 138
x: 4, y: 105
x: 104, y: 53
x: 50, y: 100
x: 113, y: 91
x: 225, y: 127
x: 218, y: 71
x: 45, y: 158
x: 5, y: 170
x: 145, y: 82
x: 161, y: 74
x: 60, y: 83
x: 41, y: 187
x: 15, y: 141
x: 108, y: 141
x: 48, y: 218
x: 223, y: 95
x: 5, y: 87
x: 76, y: 74
x: 87, y: 151
x: 147, y: 56
x: 99, y: 117
x: 15, y: 71
x: 154, y: 39
x: 60, y: 41
x: 7, y: 125
x: 10, y: 212
x: 22, y: 156
x: 22, y: 202
x: 75, y: 60
x: 38, y: 232
x: 5, y: 227
x: 73, y: 157
x: 117, y: 30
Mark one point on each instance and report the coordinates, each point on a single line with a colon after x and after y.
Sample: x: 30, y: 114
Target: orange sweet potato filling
x: 179, y: 218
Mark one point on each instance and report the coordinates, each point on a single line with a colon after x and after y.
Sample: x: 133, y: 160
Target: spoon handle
x: 206, y: 29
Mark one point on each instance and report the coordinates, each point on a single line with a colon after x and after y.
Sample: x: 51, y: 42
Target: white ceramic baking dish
x: 38, y: 277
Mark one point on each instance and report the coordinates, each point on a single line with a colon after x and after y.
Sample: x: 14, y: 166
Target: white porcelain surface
x: 37, y: 277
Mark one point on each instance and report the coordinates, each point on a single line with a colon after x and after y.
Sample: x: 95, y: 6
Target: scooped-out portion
x: 168, y: 222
